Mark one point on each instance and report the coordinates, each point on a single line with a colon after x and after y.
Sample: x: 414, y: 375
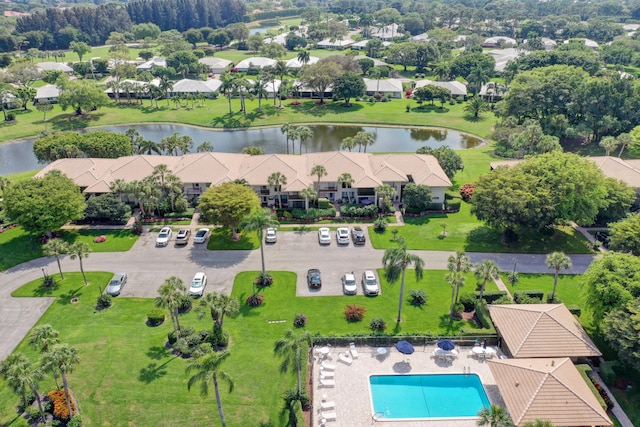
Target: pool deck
x: 351, y: 390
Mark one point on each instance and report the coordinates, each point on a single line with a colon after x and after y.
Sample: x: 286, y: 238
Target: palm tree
x: 80, y: 250
x: 240, y: 88
x: 281, y: 70
x: 160, y: 173
x: 309, y: 194
x: 43, y: 337
x: 386, y: 192
x: 485, y: 271
x: 62, y: 358
x: 257, y: 89
x: 557, y: 261
x: 624, y: 139
x: 258, y: 221
x: 395, y: 262
x: 348, y: 142
x: 475, y: 106
x: 277, y: 180
x: 319, y: 171
x: 119, y: 187
x: 22, y: 376
x: 205, y: 147
x: 293, y: 134
x: 206, y: 369
x: 456, y: 281
x: 170, y: 293
x: 478, y: 77
x: 460, y: 264
x: 146, y: 146
x: 608, y: 143
x: 364, y: 139
x: 166, y: 86
x: 304, y: 57
x: 227, y: 80
x: 173, y: 187
x: 495, y: 416
x: 56, y: 247
x: 219, y: 305
x: 268, y: 74
x: 538, y: 423
x: 304, y: 133
x: 286, y: 131
x: 293, y: 348
x: 346, y: 180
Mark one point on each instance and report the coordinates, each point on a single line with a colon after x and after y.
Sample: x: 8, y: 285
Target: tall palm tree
x: 455, y: 279
x: 62, y: 358
x: 386, y: 192
x: 294, y: 132
x: 160, y: 173
x: 477, y: 77
x: 304, y: 57
x: 170, y: 293
x: 119, y: 187
x: 309, y: 194
x: 227, y: 80
x: 173, y: 188
x: 348, y: 143
x: 55, y: 248
x: 166, y: 86
x: 258, y: 221
x: 485, y: 271
x: 608, y: 143
x: 624, y: 139
x: 281, y: 70
x: 347, y: 180
x: 364, y: 139
x: 293, y: 348
x: 495, y: 416
x: 277, y: 180
x: 257, y: 89
x: 219, y: 305
x: 319, y: 171
x: 286, y: 131
x: 206, y: 369
x: 557, y: 261
x: 395, y: 262
x: 43, y: 337
x: 80, y: 250
x: 205, y: 147
x: 268, y: 74
x: 240, y: 88
x: 146, y: 146
x: 304, y: 134
x: 22, y: 376
x: 459, y: 263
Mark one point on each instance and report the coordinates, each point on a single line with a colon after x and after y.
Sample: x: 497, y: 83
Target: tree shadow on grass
x: 46, y: 291
x: 319, y: 110
x: 430, y: 109
x: 450, y: 325
x: 158, y: 352
x: 153, y: 371
x: 65, y: 299
x: 72, y: 121
x: 473, y: 119
x: 484, y: 239
x: 231, y: 121
x: 247, y: 310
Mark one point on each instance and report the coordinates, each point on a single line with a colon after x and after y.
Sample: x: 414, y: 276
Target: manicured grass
x: 119, y: 240
x: 568, y: 290
x: 21, y: 176
x: 215, y: 113
x: 18, y: 246
x: 220, y: 240
x: 465, y: 232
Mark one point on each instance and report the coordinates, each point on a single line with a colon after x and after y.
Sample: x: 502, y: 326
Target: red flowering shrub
x: 300, y: 320
x: 354, y: 313
x: 295, y: 103
x: 466, y: 191
x: 255, y: 300
x: 234, y: 70
x: 100, y: 239
x: 60, y: 409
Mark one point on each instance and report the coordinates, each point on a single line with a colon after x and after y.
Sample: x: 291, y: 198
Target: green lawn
x: 21, y: 176
x: 215, y: 113
x: 465, y: 232
x: 117, y: 240
x: 568, y: 290
x: 220, y: 240
x: 127, y: 377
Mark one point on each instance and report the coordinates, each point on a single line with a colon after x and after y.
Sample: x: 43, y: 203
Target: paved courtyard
x: 351, y: 393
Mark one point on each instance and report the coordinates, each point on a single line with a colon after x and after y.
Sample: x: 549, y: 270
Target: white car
x: 370, y: 283
x: 197, y: 284
x: 270, y: 236
x: 342, y: 236
x: 163, y: 237
x: 349, y: 285
x: 201, y: 235
x: 324, y: 237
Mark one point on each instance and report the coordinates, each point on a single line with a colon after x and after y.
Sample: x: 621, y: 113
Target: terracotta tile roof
x: 541, y: 330
x: 547, y: 389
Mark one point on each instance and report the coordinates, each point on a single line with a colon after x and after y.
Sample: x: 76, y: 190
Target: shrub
x: 264, y: 281
x: 324, y: 203
x: 104, y: 301
x: 255, y: 300
x: 458, y: 308
x: 32, y: 413
x: 407, y: 108
x: 60, y: 410
x: 575, y: 310
x: 75, y: 421
x: 466, y: 191
x: 378, y: 324
x: 300, y: 320
x: 503, y: 300
x: 155, y: 317
x: 26, y: 400
x: 518, y: 295
x: 357, y: 210
x: 313, y: 213
x: 185, y: 303
x: 107, y: 208
x: 48, y: 281
x: 482, y: 314
x: 418, y: 297
x: 11, y: 117
x: 379, y: 225
x: 171, y: 338
x: 607, y: 372
x: 526, y: 299
x: 468, y: 301
x: 453, y: 205
x: 354, y: 313
x: 490, y: 297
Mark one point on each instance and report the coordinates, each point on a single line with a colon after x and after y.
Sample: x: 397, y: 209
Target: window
x: 436, y: 198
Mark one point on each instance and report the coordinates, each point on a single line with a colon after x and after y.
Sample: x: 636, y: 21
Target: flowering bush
x: 255, y: 300
x: 378, y: 324
x: 263, y: 281
x: 354, y: 313
x: 466, y: 191
x: 60, y: 409
x: 100, y: 239
x: 295, y: 103
x: 234, y: 70
x: 300, y: 320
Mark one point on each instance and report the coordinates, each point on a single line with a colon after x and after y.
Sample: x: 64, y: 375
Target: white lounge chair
x: 325, y: 382
x: 353, y: 351
x: 329, y: 416
x: 328, y: 366
x: 327, y: 405
x: 327, y: 374
x: 345, y: 358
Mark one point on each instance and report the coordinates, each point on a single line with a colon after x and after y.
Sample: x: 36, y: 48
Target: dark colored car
x: 182, y: 238
x: 313, y: 278
x: 357, y: 236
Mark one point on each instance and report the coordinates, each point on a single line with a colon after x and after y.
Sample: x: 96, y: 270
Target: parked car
x: 349, y: 284
x: 182, y: 238
x: 202, y: 235
x: 270, y: 236
x: 197, y: 284
x: 164, y: 236
x: 314, y: 280
x: 324, y: 237
x: 342, y: 236
x: 357, y: 235
x: 116, y: 284
x: 370, y: 283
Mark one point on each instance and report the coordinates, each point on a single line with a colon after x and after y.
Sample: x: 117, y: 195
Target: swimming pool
x: 427, y: 396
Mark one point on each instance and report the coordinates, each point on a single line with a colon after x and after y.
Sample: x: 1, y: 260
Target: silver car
x: 324, y: 236
x: 349, y: 284
x: 270, y: 236
x: 201, y: 235
x: 164, y: 236
x: 370, y: 283
x: 342, y: 236
x: 116, y: 284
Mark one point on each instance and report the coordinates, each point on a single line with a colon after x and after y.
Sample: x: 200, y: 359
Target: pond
x: 18, y: 156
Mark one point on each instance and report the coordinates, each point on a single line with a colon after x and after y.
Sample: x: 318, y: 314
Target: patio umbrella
x: 404, y: 347
x: 447, y: 345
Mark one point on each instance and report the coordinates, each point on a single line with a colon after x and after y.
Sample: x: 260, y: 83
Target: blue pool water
x: 427, y: 396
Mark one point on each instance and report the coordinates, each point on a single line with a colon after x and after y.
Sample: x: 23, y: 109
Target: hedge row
x: 350, y: 211
x: 517, y: 295
x: 492, y: 296
x: 313, y: 213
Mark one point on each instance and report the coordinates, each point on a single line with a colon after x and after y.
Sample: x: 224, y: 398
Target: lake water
x: 257, y: 30
x: 18, y: 156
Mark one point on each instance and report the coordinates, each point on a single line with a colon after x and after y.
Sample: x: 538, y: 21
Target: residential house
x: 152, y: 63
x: 216, y: 65
x: 49, y: 93
x: 391, y: 88
x: 294, y: 63
x: 499, y: 42
x: 334, y: 44
x: 388, y: 32
x: 54, y: 66
x: 194, y: 87
x: 303, y: 91
x: 256, y: 61
x: 362, y: 44
x: 457, y: 89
